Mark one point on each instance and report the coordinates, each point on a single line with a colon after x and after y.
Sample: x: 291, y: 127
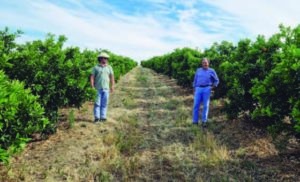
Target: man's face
x: 205, y: 64
x: 103, y: 60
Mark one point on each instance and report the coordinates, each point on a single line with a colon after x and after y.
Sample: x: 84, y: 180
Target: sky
x: 141, y: 29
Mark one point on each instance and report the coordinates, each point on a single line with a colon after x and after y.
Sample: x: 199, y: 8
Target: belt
x: 204, y: 85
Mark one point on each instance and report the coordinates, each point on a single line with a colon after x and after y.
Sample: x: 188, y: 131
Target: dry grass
x: 148, y: 137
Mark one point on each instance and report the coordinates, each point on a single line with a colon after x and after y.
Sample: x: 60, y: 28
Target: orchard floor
x: 149, y: 137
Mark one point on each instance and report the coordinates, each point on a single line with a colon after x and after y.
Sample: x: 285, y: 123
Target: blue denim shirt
x: 205, y: 77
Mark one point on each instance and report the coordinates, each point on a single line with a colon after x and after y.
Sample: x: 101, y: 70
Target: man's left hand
x: 112, y: 90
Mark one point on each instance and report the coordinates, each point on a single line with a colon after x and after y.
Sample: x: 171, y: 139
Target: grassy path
x: 148, y: 137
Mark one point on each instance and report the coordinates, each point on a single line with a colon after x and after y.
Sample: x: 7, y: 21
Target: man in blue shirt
x: 205, y: 80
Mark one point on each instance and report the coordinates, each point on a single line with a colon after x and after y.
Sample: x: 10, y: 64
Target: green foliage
x: 20, y: 116
x: 218, y: 54
x: 71, y: 118
x: 7, y: 44
x: 52, y: 73
x: 120, y: 64
x: 180, y: 64
x: 249, y: 61
x: 183, y: 63
x: 53, y: 77
x: 4, y: 156
x: 260, y: 78
x: 278, y: 94
x: 60, y: 77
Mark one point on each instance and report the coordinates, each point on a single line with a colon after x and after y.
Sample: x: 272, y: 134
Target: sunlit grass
x: 71, y: 118
x: 148, y: 137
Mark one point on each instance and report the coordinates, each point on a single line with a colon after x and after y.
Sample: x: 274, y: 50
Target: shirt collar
x: 103, y: 65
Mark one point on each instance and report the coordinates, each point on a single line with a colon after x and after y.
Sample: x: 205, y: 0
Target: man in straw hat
x: 205, y: 80
x: 101, y: 76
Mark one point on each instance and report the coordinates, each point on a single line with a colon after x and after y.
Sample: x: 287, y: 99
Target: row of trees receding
x: 258, y: 78
x: 39, y: 77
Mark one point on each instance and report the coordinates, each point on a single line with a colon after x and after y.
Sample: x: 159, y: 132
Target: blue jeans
x: 202, y: 94
x: 101, y: 103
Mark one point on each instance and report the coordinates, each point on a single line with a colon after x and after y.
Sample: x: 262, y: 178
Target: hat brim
x: 103, y: 57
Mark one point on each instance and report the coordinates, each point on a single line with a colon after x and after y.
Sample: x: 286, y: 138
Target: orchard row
x: 258, y: 78
x: 39, y: 77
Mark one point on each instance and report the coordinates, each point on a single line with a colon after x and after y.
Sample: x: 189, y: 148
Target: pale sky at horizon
x: 143, y: 29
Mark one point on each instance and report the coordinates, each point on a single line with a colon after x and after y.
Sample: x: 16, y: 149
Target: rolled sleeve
x: 195, y: 79
x: 93, y: 71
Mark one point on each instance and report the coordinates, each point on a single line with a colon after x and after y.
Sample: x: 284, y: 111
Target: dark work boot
x: 96, y: 121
